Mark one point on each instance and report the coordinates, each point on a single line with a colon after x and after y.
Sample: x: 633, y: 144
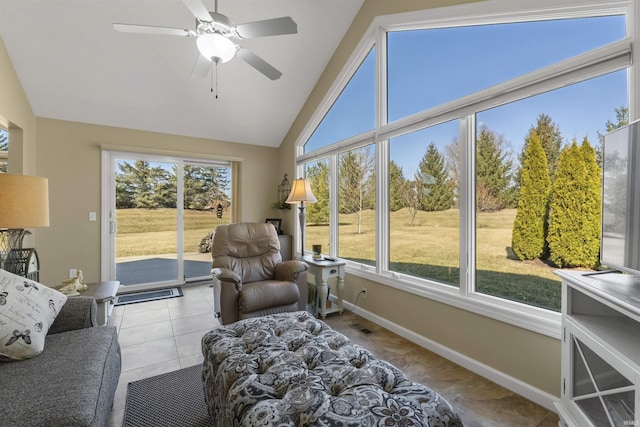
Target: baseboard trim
x: 515, y: 385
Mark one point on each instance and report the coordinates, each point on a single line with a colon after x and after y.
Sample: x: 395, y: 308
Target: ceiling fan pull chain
x: 216, y: 73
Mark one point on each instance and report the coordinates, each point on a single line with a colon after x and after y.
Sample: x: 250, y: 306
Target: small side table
x: 322, y: 270
x: 104, y: 293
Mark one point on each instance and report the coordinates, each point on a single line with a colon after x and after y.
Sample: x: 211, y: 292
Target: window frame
x: 606, y: 59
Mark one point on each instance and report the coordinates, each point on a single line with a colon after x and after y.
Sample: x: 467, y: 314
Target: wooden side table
x: 322, y: 270
x: 104, y: 293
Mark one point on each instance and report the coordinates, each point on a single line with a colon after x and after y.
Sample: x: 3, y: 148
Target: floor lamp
x: 24, y: 203
x: 301, y: 193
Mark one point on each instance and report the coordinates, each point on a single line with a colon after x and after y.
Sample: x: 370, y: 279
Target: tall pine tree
x: 529, y: 227
x: 438, y: 188
x: 493, y: 172
x: 396, y: 181
x: 318, y: 176
x: 570, y: 233
x: 592, y: 206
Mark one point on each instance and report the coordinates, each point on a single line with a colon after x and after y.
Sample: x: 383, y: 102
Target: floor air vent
x: 147, y: 296
x: 362, y: 329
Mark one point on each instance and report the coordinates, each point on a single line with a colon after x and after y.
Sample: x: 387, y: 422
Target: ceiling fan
x: 217, y: 35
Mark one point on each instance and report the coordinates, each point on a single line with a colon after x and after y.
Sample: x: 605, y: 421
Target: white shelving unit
x: 600, y: 350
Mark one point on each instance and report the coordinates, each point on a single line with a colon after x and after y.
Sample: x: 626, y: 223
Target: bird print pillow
x: 27, y: 310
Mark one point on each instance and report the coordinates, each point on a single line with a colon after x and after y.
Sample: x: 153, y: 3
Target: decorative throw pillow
x: 27, y: 310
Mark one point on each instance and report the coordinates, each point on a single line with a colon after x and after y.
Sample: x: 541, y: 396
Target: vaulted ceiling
x: 74, y: 66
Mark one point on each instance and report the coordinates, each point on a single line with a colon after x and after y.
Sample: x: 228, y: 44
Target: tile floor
x: 162, y: 336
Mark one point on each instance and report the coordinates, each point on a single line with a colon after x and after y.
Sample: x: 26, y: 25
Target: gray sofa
x: 72, y: 382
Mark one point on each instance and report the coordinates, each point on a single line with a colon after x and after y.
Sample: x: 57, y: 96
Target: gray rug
x: 172, y: 399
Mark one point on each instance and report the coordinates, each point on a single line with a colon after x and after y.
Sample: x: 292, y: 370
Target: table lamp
x: 24, y: 203
x: 301, y: 193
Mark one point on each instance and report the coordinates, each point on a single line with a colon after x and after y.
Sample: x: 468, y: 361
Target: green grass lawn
x: 429, y: 250
x: 152, y: 231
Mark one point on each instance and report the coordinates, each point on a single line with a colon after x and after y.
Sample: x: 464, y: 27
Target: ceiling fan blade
x: 258, y: 63
x: 268, y: 27
x: 149, y: 29
x: 201, y: 68
x: 197, y: 8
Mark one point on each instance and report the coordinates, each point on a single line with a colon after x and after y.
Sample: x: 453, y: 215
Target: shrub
x: 529, y: 227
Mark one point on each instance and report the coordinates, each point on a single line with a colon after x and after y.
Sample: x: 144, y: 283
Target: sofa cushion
x: 27, y: 310
x: 72, y: 383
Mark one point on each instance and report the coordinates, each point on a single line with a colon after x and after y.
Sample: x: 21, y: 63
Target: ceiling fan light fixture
x: 216, y: 47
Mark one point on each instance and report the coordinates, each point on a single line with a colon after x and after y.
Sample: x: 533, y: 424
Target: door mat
x: 145, y: 296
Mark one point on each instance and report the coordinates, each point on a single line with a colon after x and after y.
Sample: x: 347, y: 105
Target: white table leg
x: 323, y: 289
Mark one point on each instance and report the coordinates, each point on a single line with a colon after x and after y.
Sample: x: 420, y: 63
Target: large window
x: 424, y: 219
x: 468, y: 115
x: 356, y: 205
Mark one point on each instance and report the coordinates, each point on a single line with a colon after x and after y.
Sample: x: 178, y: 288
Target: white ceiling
x: 74, y: 66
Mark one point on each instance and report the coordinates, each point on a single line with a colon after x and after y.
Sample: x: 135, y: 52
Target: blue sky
x: 431, y: 67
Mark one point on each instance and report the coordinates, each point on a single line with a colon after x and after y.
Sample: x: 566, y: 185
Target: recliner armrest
x: 289, y: 270
x: 226, y: 275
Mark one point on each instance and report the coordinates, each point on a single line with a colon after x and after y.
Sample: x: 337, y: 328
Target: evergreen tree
x: 396, y: 181
x: 494, y: 174
x: 205, y: 187
x: 570, y: 232
x: 318, y: 176
x: 592, y: 206
x: 139, y: 185
x: 551, y: 141
x: 622, y: 119
x: 529, y: 227
x: 437, y: 187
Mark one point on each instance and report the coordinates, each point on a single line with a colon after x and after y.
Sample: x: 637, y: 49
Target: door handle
x: 113, y: 227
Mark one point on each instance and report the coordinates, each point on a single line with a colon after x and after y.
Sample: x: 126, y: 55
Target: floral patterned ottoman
x: 292, y: 369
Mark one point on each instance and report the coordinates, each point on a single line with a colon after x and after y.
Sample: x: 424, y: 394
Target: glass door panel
x: 207, y: 203
x: 146, y: 215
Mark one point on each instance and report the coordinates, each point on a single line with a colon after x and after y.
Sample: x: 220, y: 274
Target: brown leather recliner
x: 252, y: 278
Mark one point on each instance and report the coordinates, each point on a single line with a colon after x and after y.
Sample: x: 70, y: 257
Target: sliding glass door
x: 158, y: 216
x: 207, y: 203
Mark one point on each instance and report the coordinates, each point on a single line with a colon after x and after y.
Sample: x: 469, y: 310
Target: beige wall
x: 69, y: 154
x: 525, y: 355
x: 17, y: 116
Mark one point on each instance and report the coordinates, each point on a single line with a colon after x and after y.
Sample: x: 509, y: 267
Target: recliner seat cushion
x: 269, y: 293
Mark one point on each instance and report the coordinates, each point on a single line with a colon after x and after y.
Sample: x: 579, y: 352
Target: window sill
x: 535, y: 319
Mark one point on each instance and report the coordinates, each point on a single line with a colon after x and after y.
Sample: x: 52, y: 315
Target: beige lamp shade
x: 301, y: 192
x: 24, y: 201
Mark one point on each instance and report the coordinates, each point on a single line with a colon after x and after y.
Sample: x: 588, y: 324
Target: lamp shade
x: 301, y: 192
x: 24, y: 201
x: 216, y: 47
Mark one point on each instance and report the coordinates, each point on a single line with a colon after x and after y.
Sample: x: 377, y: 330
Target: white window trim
x: 610, y: 58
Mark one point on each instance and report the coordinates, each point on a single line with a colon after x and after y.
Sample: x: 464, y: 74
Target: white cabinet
x: 600, y: 350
